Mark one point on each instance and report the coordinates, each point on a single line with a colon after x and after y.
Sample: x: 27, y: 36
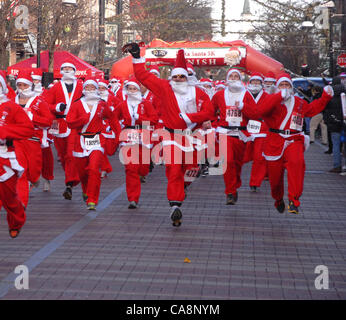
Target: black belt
x: 89, y: 134
x: 233, y: 127
x: 60, y: 116
x: 34, y: 139
x: 287, y: 132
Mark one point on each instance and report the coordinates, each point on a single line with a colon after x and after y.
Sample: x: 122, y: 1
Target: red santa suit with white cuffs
x: 139, y: 118
x: 179, y: 111
x: 88, y: 144
x: 29, y: 151
x: 285, y: 143
x: 257, y: 129
x: 14, y: 124
x: 56, y: 96
x: 232, y: 131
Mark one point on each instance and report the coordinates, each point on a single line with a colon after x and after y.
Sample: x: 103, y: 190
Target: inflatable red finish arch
x: 202, y: 54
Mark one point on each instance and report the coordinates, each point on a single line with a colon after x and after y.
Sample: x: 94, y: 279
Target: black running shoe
x: 280, y: 206
x: 231, y: 198
x: 176, y: 216
x: 133, y: 205
x: 68, y: 193
x: 253, y: 189
x: 292, y: 208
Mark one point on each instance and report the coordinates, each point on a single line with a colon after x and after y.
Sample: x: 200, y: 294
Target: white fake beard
x: 192, y: 80
x: 290, y: 93
x: 254, y: 88
x: 38, y: 88
x: 91, y: 96
x: 269, y: 89
x: 235, y: 85
x: 68, y: 77
x: 115, y: 86
x: 104, y: 95
x: 27, y: 93
x: 179, y: 87
x: 134, y: 97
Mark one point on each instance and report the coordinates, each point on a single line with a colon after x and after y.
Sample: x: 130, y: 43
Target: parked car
x: 304, y: 83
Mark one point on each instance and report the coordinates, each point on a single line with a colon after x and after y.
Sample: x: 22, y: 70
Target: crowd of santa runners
x: 189, y: 125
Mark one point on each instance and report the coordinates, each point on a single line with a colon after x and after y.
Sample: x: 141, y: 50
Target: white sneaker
x: 103, y: 174
x: 343, y: 173
x: 46, y: 185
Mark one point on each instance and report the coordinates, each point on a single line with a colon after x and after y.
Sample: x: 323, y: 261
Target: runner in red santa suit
x: 139, y: 118
x: 269, y: 83
x: 285, y: 143
x: 110, y: 144
x: 85, y: 117
x: 207, y: 86
x: 231, y: 128
x: 60, y: 97
x: 47, y: 138
x: 29, y: 151
x: 258, y: 131
x: 183, y: 107
x: 14, y: 125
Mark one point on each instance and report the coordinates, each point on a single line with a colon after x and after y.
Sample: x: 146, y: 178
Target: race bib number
x: 234, y: 116
x: 296, y: 122
x: 254, y: 126
x: 54, y: 130
x: 134, y: 136
x: 91, y: 143
x: 191, y: 174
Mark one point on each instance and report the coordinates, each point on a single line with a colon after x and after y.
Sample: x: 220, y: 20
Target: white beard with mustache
x: 254, y: 88
x: 134, y: 97
x: 181, y: 88
x: 27, y: 93
x: 269, y: 89
x: 235, y: 85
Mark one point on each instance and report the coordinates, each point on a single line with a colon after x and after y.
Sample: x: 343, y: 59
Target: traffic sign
x: 341, y: 61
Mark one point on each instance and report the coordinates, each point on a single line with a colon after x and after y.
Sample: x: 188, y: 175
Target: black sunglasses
x: 179, y: 76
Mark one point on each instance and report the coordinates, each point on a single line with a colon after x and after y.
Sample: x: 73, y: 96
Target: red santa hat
x: 284, y: 77
x: 155, y: 70
x: 190, y: 68
x: 180, y: 65
x: 220, y: 84
x: 115, y: 80
x: 68, y: 64
x: 36, y: 74
x: 24, y: 76
x: 256, y: 76
x: 270, y: 77
x: 206, y: 81
x: 134, y: 82
x: 92, y: 81
x: 103, y: 83
x: 233, y: 70
x: 3, y: 81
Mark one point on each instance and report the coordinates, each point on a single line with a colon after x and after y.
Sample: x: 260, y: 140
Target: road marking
x: 57, y: 242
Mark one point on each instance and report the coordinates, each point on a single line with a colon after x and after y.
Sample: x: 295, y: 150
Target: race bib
x: 233, y: 116
x: 91, y: 143
x: 134, y: 136
x: 191, y: 174
x: 296, y: 122
x: 254, y: 126
x: 54, y: 129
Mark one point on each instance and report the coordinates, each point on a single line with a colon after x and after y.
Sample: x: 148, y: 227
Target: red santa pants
x: 47, y: 163
x: 293, y: 161
x: 259, y: 164
x: 89, y: 174
x: 106, y: 165
x: 64, y: 147
x: 8, y: 198
x: 136, y: 166
x: 234, y: 161
x: 29, y: 156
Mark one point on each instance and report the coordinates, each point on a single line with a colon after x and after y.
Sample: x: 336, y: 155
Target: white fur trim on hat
x: 103, y: 84
x: 177, y: 71
x: 24, y: 80
x: 284, y: 79
x: 155, y: 71
x: 233, y: 70
x: 133, y: 84
x: 90, y: 81
x: 68, y: 64
x: 36, y: 77
x: 256, y: 78
x: 270, y: 79
x: 3, y: 84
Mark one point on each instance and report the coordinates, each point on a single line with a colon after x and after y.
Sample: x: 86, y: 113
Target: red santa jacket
x: 38, y: 112
x: 288, y: 117
x: 14, y: 125
x: 172, y: 115
x: 55, y: 96
x: 88, y: 126
x: 232, y: 121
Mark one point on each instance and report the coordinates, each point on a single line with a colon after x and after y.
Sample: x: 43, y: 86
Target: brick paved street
x: 247, y: 251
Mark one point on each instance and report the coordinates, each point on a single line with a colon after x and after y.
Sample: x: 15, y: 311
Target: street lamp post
x: 101, y: 51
